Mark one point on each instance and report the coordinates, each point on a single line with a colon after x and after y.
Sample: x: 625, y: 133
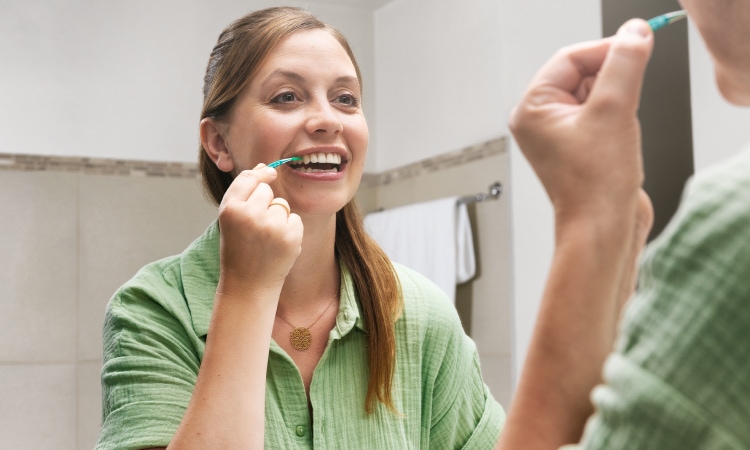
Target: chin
x: 733, y: 87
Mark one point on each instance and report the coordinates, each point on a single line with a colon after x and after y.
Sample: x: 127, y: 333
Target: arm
x: 258, y: 248
x: 578, y: 128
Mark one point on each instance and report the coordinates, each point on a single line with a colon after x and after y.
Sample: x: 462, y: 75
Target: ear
x: 212, y: 138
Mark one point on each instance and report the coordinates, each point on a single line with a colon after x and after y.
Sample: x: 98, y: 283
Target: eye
x: 285, y: 97
x: 347, y: 100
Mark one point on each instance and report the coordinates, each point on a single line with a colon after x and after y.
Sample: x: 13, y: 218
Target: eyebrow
x: 278, y: 73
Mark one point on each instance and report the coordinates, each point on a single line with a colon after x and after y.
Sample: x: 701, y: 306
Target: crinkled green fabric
x: 154, y: 337
x: 680, y: 377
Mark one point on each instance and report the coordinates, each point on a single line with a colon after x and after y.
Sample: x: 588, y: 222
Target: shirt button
x: 300, y: 430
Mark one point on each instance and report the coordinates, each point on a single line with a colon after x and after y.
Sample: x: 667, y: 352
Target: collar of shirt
x: 199, y: 264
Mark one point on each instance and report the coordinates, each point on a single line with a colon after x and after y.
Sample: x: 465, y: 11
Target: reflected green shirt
x: 680, y: 378
x: 154, y: 339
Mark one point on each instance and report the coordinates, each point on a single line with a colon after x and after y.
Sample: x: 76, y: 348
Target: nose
x: 323, y: 118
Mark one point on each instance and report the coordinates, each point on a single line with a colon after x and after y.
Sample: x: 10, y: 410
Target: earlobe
x: 212, y: 139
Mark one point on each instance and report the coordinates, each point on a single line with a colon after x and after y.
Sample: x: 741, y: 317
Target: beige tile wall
x: 67, y: 241
x: 70, y: 235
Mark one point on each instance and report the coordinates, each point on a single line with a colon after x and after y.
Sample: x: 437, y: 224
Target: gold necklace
x: 301, y: 337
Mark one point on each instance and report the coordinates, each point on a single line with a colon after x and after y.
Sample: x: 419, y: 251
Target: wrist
x: 604, y: 227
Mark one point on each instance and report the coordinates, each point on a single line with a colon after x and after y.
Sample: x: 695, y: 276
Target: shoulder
x: 701, y: 261
x: 715, y: 201
x: 152, y: 299
x: 423, y: 299
x: 152, y: 281
x: 429, y: 318
x: 169, y: 283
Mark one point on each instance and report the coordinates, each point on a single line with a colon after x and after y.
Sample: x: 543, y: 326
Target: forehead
x: 318, y: 47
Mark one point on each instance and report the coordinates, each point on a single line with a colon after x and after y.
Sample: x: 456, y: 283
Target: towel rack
x: 493, y: 193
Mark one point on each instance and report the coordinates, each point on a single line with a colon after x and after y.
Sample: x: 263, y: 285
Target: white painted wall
x: 123, y: 79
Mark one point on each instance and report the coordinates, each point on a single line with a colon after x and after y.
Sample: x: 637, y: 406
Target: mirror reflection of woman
x: 284, y: 325
x: 678, y: 376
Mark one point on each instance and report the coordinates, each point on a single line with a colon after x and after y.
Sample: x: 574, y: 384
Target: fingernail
x: 270, y: 170
x: 636, y: 28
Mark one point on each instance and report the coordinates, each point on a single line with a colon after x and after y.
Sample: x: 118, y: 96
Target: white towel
x: 434, y: 238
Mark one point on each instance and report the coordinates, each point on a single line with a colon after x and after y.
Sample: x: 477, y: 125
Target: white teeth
x: 331, y: 158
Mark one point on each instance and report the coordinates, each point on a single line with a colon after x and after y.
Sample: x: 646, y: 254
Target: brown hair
x: 240, y: 50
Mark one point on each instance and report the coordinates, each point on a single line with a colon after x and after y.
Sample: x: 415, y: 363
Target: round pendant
x: 301, y: 338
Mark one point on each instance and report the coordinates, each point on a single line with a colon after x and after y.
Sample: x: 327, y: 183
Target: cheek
x: 265, y: 141
x: 359, y: 134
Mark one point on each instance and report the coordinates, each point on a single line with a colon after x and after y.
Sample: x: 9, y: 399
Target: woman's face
x: 305, y: 100
x: 725, y: 26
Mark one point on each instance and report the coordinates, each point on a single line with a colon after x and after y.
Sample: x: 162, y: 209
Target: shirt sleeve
x: 150, y: 368
x: 678, y: 377
x: 462, y: 412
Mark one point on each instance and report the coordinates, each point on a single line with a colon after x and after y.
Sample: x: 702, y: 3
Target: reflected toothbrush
x: 276, y: 164
x: 662, y: 21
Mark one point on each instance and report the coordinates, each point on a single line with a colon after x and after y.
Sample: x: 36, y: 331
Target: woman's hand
x: 577, y: 126
x: 577, y: 122
x: 260, y: 241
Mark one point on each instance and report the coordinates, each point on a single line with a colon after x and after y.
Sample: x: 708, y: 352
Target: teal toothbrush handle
x: 284, y: 161
x: 662, y: 21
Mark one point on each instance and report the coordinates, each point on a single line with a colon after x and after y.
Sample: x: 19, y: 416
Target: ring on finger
x: 282, y: 203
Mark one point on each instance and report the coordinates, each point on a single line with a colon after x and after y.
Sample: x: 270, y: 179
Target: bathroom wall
x: 70, y: 235
x: 124, y: 80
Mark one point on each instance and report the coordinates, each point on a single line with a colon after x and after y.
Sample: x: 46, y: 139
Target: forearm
x: 227, y: 408
x: 573, y: 333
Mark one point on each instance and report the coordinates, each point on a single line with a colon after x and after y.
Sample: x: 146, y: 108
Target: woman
x: 678, y: 377
x: 363, y: 353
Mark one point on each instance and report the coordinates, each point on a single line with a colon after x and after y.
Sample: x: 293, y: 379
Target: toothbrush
x: 276, y: 164
x: 662, y: 21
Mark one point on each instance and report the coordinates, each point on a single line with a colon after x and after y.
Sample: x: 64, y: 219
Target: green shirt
x: 680, y: 378
x: 154, y: 338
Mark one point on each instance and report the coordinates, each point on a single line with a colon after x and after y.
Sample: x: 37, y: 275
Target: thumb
x: 618, y: 85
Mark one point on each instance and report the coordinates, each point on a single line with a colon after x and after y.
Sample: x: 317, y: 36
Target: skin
x: 583, y: 141
x: 305, y: 98
x: 723, y: 24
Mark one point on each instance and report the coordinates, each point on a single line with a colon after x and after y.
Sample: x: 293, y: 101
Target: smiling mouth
x: 318, y: 162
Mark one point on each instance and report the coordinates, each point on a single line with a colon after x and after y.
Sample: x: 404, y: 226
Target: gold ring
x: 281, y: 203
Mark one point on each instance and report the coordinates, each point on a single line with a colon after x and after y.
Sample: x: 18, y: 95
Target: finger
x: 247, y: 181
x: 565, y: 79
x: 618, y: 86
x: 571, y: 65
x: 279, y: 204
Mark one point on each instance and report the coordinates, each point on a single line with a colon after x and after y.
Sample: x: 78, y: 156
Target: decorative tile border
x: 97, y: 166
x: 102, y: 166
x: 437, y: 163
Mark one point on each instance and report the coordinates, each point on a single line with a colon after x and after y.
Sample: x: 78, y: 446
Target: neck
x: 315, y: 277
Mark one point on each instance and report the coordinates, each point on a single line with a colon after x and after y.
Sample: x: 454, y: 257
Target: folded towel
x: 434, y: 238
